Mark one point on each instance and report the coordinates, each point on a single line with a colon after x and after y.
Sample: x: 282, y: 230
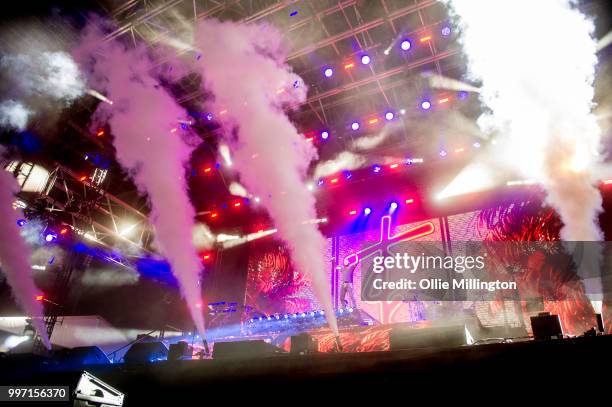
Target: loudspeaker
x: 244, y: 349
x: 180, y: 351
x: 435, y: 337
x: 304, y: 344
x: 80, y: 356
x: 546, y: 326
x: 145, y: 352
x: 91, y: 391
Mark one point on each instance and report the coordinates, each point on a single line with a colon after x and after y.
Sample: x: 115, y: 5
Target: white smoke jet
x: 224, y: 152
x: 237, y: 189
x: 538, y: 84
x: 14, y: 115
x: 345, y: 160
x: 202, y: 237
x: 444, y: 82
x: 243, y: 66
x: 48, y: 74
x: 99, y: 96
x: 14, y: 257
x: 141, y: 120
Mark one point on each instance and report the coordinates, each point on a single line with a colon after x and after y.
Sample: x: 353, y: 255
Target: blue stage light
x: 443, y: 153
x: 367, y: 211
x: 405, y: 45
x: 50, y: 237
x: 393, y: 206
x: 376, y: 168
x: 328, y: 72
x: 21, y: 222
x: 446, y: 31
x: 347, y: 174
x: 325, y: 135
x: 389, y: 116
x: 365, y: 59
x: 312, y: 314
x: 476, y: 144
x: 321, y: 312
x: 425, y: 105
x: 303, y: 315
x: 355, y: 126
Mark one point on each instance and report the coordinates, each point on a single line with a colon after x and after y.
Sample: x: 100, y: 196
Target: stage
x: 477, y: 373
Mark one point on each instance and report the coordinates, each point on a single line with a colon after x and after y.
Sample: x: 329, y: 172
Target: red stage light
x: 237, y: 204
x: 334, y: 180
x: 409, y: 201
x: 459, y: 150
x: 349, y: 65
x: 206, y: 257
x: 394, y: 166
x: 353, y: 212
x: 426, y: 38
x: 607, y: 182
x: 173, y: 130
x: 40, y: 297
x: 311, y: 139
x: 207, y: 170
x: 443, y: 100
x: 83, y: 178
x: 214, y: 215
x: 100, y: 133
x: 63, y: 231
x: 373, y: 121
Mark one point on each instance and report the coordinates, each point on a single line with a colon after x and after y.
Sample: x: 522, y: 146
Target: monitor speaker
x: 77, y: 357
x: 303, y: 344
x: 546, y: 326
x: 402, y: 338
x: 145, y: 352
x: 244, y: 349
x: 180, y: 351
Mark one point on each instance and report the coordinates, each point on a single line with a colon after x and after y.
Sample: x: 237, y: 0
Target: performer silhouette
x: 347, y: 285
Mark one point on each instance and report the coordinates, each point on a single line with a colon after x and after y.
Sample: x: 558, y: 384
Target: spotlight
x: 376, y: 168
x: 446, y: 31
x: 325, y: 135
x: 21, y: 222
x: 355, y: 126
x: 50, y: 237
x: 365, y: 60
x: 405, y: 45
x: 393, y: 206
x: 328, y: 72
x: 389, y: 116
x: 425, y: 105
x: 367, y: 211
x: 443, y: 153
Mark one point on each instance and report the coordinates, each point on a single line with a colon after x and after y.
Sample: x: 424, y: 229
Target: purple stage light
x: 325, y: 135
x: 367, y: 211
x: 389, y: 116
x: 393, y: 206
x: 425, y: 105
x: 365, y: 59
x: 476, y: 144
x: 405, y: 45
x: 376, y: 168
x: 347, y: 174
x: 443, y: 153
x: 293, y: 13
x: 50, y: 237
x: 328, y: 72
x: 446, y: 31
x: 21, y: 222
x: 355, y: 126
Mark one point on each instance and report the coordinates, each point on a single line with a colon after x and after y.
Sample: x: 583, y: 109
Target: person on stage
x: 347, y: 285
